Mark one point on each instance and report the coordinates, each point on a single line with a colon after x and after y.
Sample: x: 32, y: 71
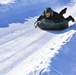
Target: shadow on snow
x: 14, y: 14
x: 19, y: 14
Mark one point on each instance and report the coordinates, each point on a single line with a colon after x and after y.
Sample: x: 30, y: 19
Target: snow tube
x: 46, y: 24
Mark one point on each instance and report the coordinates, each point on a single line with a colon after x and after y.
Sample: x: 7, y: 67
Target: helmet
x: 48, y: 10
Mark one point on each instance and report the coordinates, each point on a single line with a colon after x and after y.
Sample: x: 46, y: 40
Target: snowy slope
x: 25, y: 50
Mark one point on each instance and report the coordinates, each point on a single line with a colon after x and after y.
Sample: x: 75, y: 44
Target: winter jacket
x: 54, y: 17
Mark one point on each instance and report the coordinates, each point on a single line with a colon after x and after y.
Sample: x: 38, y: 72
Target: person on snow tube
x: 51, y: 15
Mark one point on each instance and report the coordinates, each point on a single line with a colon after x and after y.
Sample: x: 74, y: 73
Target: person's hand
x: 35, y: 24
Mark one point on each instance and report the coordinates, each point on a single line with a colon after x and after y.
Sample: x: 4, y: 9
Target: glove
x: 35, y: 24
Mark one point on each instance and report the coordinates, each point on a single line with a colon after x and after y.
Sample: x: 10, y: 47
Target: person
x: 48, y: 13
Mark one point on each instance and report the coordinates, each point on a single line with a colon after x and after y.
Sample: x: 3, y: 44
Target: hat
x: 48, y: 10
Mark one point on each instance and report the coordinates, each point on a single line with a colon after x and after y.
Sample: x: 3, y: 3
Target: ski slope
x: 19, y: 47
x: 26, y: 50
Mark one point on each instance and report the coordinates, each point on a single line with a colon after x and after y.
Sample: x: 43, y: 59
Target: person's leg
x: 70, y: 18
x: 63, y: 11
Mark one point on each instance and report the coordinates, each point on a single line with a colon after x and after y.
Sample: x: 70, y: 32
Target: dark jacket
x: 55, y: 17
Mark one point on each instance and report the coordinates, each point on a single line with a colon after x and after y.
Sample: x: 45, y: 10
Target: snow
x: 26, y: 50
x: 6, y: 1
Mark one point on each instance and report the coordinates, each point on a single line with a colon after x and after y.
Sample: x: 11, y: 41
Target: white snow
x: 5, y: 1
x: 26, y: 50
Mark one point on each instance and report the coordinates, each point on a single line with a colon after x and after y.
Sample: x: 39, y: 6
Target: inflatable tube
x: 46, y: 24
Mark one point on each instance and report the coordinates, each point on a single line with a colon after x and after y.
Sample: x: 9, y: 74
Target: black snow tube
x: 46, y: 24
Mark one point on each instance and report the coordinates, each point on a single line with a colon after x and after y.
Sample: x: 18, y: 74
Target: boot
x: 63, y: 11
x: 70, y: 18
